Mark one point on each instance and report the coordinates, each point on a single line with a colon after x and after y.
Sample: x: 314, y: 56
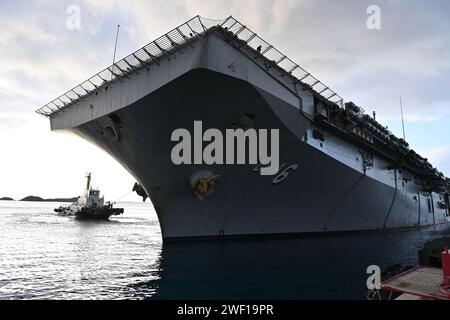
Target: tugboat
x: 90, y: 206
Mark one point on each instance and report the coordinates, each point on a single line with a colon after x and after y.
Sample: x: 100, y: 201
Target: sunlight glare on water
x: 46, y: 256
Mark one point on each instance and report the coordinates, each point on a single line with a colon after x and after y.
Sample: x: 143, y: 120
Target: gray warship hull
x: 326, y: 186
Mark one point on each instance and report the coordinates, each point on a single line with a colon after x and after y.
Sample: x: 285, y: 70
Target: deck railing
x: 280, y: 59
x: 168, y: 43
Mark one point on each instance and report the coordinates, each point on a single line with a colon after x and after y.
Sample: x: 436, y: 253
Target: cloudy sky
x: 42, y: 56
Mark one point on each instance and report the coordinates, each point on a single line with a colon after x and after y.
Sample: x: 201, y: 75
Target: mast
x: 88, y: 177
x: 115, y: 49
x: 403, y: 123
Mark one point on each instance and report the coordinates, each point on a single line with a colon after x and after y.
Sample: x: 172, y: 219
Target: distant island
x: 39, y: 199
x: 6, y: 199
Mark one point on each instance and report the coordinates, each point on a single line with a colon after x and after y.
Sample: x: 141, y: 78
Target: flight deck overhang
x: 179, y: 41
x: 229, y: 47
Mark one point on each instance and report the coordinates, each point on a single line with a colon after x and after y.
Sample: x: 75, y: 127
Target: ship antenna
x: 403, y: 122
x: 115, y: 49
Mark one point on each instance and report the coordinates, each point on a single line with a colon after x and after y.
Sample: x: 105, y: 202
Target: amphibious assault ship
x: 340, y: 170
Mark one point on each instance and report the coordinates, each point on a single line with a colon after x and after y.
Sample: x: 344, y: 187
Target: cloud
x: 41, y: 58
x: 439, y: 153
x: 409, y: 57
x: 435, y: 109
x: 153, y: 18
x: 439, y: 157
x: 9, y: 123
x: 14, y: 30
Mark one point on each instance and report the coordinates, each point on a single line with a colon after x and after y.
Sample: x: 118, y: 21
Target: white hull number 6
x: 284, y: 174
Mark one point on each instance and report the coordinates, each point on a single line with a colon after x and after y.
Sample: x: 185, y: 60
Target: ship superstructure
x: 91, y: 197
x: 340, y: 170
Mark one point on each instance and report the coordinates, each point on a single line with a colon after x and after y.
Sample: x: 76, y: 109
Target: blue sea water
x: 45, y: 256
